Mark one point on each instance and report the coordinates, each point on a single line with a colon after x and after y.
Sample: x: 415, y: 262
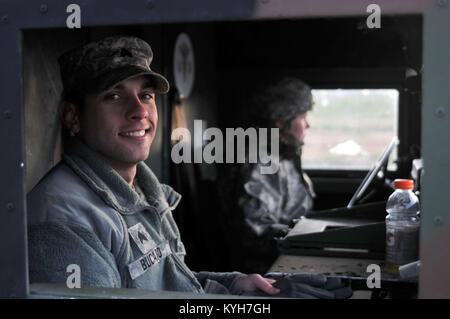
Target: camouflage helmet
x: 100, y: 65
x: 281, y: 100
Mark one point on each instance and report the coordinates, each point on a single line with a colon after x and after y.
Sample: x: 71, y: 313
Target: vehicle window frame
x: 380, y: 78
x: 13, y: 236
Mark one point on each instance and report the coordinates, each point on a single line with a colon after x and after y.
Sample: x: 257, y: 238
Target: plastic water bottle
x: 402, y: 225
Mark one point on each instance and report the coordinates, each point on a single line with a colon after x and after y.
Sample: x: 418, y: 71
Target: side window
x: 350, y: 128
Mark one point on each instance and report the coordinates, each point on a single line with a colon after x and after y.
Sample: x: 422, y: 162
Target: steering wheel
x: 381, y: 164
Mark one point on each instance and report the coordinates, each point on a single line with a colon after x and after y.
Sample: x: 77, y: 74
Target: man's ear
x: 69, y: 116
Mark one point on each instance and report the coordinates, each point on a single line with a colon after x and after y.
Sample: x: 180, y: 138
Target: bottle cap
x: 404, y: 184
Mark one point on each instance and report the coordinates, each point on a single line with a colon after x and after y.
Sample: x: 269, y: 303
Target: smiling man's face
x: 120, y: 124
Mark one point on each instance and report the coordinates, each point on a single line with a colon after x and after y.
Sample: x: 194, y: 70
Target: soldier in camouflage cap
x: 102, y: 207
x: 100, y: 65
x: 277, y: 102
x: 263, y: 206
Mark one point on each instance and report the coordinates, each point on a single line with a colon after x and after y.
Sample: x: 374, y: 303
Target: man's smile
x: 135, y: 132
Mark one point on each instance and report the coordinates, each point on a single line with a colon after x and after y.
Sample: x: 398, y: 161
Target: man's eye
x: 147, y: 96
x: 112, y: 96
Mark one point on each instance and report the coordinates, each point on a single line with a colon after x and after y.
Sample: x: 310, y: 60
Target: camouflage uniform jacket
x: 272, y: 201
x: 260, y: 207
x: 84, y: 213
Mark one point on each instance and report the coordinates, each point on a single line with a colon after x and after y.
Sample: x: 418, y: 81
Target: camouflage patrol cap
x: 281, y: 99
x: 99, y: 66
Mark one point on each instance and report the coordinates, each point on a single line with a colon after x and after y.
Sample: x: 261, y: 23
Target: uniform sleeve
x: 226, y: 279
x: 52, y: 247
x: 262, y: 204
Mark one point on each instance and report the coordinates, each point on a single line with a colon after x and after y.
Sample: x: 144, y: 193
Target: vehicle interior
x: 373, y: 121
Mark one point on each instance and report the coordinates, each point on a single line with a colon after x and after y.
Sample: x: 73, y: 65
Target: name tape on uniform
x: 140, y: 266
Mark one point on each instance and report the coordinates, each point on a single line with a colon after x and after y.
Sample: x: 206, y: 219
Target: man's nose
x: 137, y: 110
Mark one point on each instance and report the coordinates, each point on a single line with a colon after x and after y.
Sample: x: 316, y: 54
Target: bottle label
x: 401, y: 244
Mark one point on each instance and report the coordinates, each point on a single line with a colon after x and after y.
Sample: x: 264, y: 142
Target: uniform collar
x: 113, y: 189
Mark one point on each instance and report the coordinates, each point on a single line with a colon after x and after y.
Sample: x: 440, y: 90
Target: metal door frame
x: 17, y: 16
